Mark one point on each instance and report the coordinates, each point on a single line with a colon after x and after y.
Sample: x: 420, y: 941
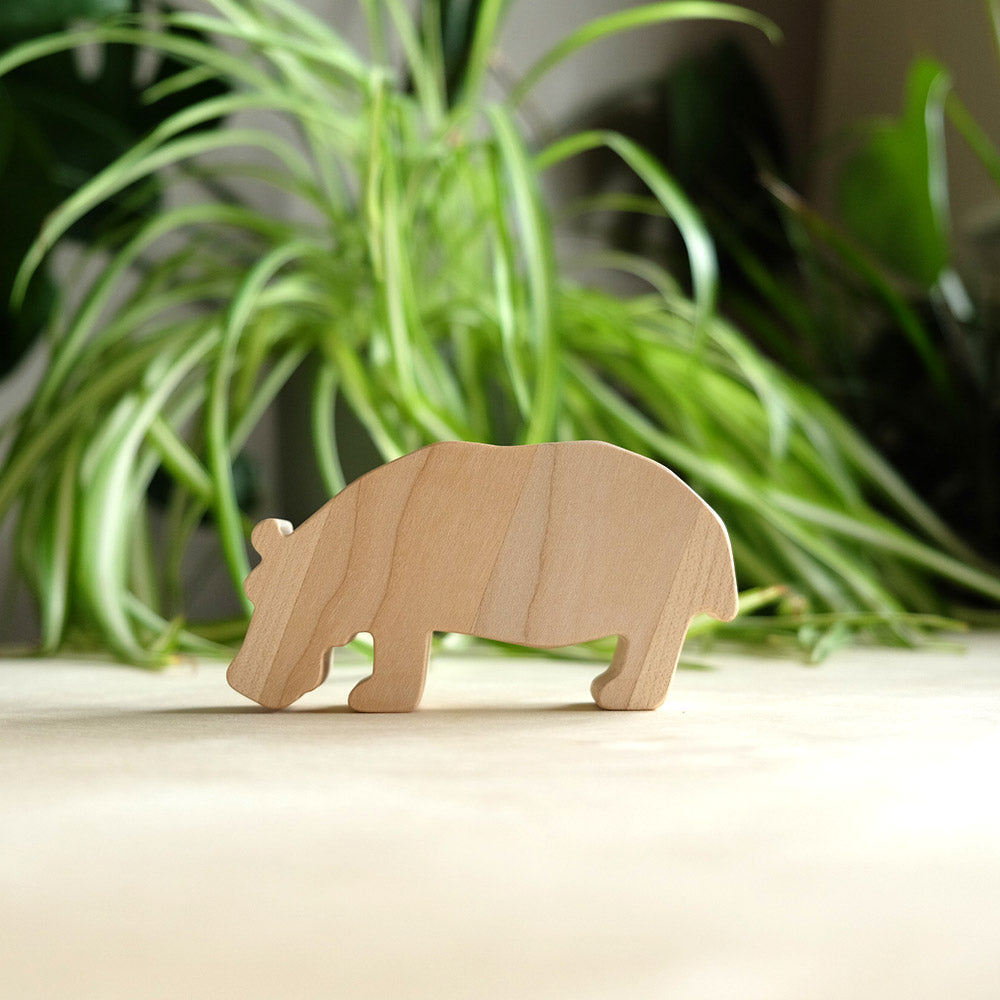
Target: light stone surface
x: 775, y: 831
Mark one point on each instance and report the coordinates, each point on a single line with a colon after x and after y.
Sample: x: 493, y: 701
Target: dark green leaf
x: 66, y: 126
x: 31, y: 17
x: 458, y: 20
x: 892, y: 192
x: 28, y: 196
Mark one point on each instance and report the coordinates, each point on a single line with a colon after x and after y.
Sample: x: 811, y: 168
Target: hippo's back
x: 544, y: 544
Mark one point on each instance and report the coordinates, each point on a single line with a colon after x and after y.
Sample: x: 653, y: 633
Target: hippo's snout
x: 251, y: 676
x: 243, y: 678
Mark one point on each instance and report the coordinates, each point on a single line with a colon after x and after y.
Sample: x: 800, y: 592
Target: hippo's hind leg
x: 641, y: 669
x: 398, y: 674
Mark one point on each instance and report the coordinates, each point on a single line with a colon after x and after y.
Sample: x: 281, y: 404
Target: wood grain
x: 540, y: 545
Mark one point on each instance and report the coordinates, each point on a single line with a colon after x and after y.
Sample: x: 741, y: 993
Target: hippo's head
x: 286, y: 652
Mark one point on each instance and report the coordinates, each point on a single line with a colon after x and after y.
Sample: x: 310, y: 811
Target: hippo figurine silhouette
x: 540, y: 545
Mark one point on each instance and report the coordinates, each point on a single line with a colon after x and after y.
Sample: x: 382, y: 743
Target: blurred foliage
x: 869, y: 307
x: 26, y: 18
x: 420, y: 284
x: 710, y: 120
x: 892, y: 191
x: 457, y: 28
x: 60, y: 124
x: 911, y: 338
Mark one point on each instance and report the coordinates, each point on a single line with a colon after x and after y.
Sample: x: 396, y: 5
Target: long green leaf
x: 631, y: 20
x: 699, y: 245
x: 539, y: 263
x: 129, y: 169
x: 217, y: 431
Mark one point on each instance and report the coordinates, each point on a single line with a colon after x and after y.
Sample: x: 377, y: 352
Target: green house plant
x: 419, y: 275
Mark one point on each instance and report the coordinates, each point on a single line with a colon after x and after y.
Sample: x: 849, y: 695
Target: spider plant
x: 418, y: 277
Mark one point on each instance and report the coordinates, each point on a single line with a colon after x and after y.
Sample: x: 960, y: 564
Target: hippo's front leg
x: 399, y: 671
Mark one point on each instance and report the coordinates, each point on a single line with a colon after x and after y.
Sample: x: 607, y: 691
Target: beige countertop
x: 775, y: 831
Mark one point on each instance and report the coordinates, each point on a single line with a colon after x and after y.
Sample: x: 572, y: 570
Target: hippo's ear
x: 269, y: 533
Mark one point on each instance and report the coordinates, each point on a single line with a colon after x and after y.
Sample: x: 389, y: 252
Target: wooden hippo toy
x: 541, y: 545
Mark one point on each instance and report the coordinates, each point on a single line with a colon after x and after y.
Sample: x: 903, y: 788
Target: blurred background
x: 854, y: 214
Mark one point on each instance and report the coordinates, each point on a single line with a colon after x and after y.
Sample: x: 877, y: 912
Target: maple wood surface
x: 774, y: 832
x: 542, y: 545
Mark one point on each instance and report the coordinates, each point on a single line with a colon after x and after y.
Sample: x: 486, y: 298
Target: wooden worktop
x: 774, y: 831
